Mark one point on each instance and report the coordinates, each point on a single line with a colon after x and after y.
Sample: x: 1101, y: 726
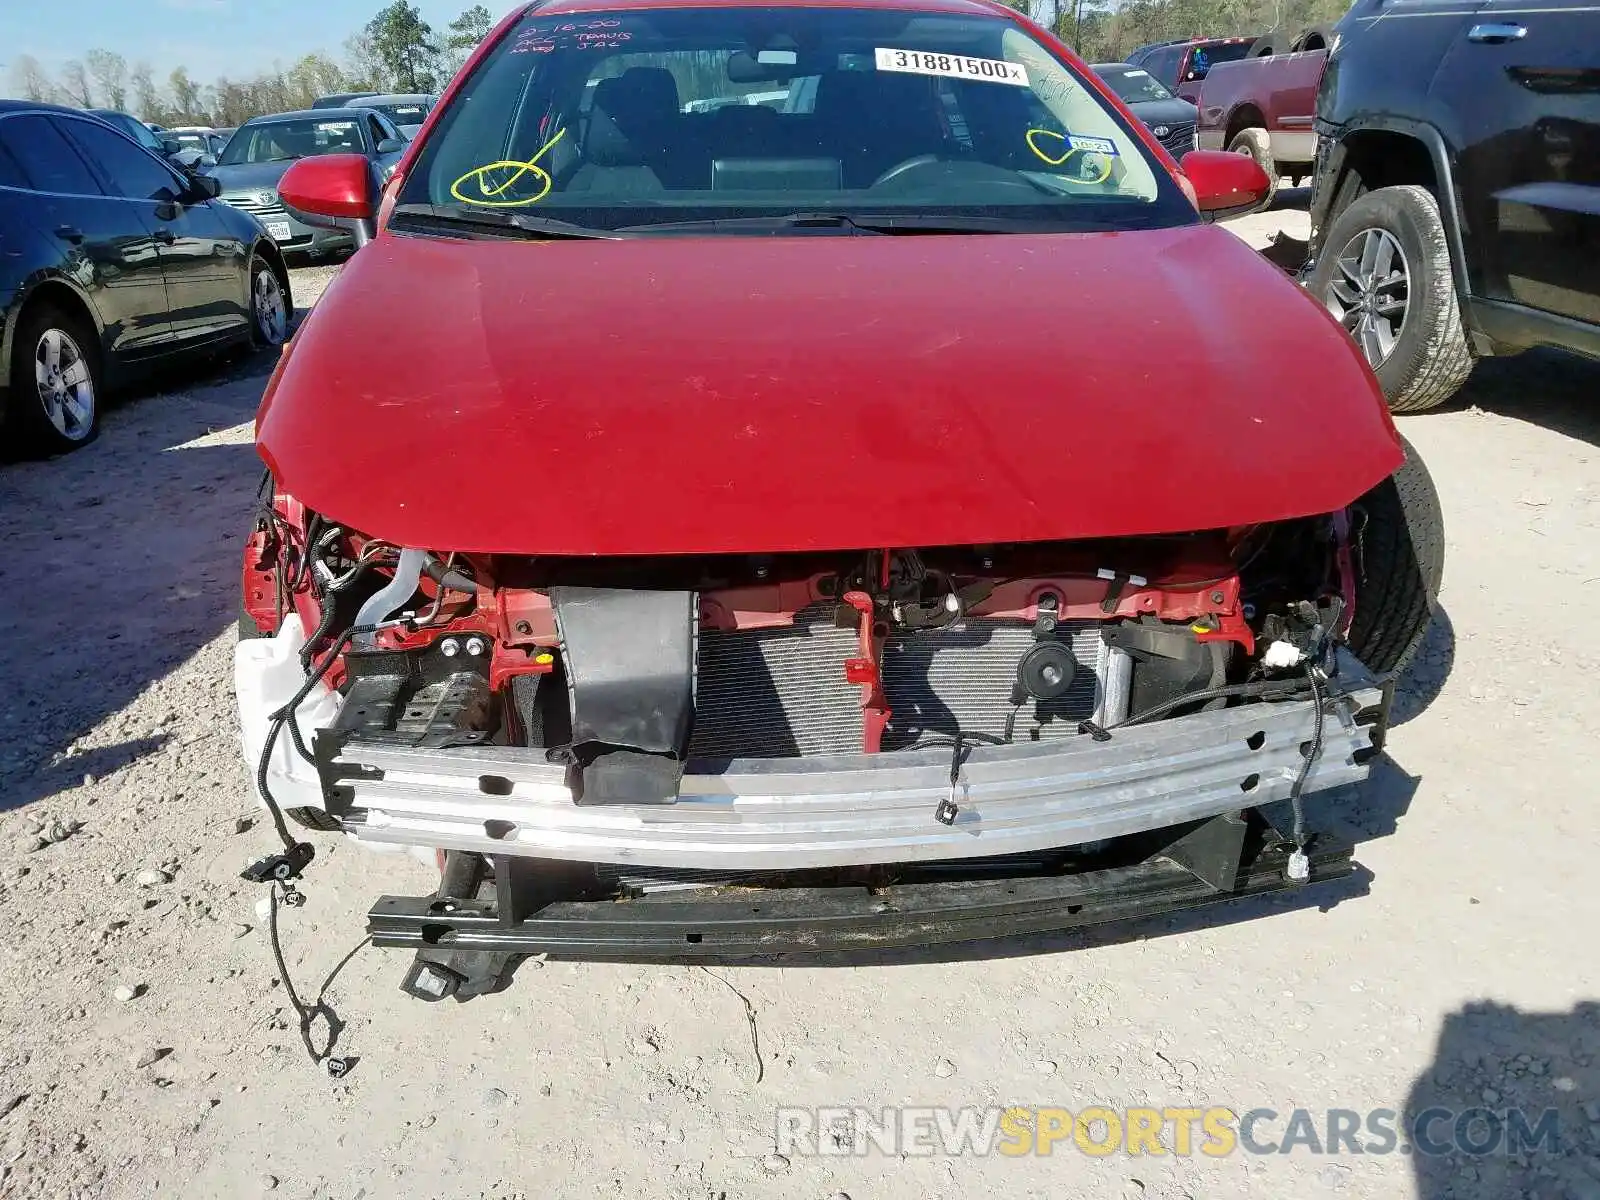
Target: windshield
x: 403, y: 114
x: 665, y: 115
x: 304, y: 137
x: 1131, y: 84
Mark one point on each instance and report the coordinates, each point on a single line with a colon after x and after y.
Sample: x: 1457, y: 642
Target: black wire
x: 1314, y: 752
x: 308, y: 1013
x: 1011, y: 721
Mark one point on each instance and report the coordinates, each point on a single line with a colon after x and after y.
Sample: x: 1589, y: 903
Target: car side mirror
x: 171, y: 145
x: 205, y: 187
x: 1224, y: 184
x: 391, y: 146
x: 333, y: 191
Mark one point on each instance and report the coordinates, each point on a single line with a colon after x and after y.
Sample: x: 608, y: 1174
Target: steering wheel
x: 910, y: 164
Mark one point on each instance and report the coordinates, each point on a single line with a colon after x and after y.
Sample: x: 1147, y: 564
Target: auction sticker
x: 1092, y: 145
x: 956, y: 66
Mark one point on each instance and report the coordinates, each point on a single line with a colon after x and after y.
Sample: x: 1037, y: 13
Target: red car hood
x: 736, y: 394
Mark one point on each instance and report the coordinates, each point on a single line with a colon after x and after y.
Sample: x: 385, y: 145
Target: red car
x: 803, y: 476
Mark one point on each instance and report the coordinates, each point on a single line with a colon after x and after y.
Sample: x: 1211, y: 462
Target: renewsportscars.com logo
x: 1097, y: 1130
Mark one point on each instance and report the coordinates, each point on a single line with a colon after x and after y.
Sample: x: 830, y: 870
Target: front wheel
x: 1256, y: 143
x: 269, y: 306
x: 1397, y: 531
x: 1385, y: 274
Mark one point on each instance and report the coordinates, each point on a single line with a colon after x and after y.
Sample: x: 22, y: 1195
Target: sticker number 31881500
x: 956, y: 66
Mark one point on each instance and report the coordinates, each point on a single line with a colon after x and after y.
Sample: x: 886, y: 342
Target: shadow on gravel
x: 128, y: 551
x: 1509, y: 1107
x: 1290, y: 198
x: 1430, y: 667
x: 1546, y: 387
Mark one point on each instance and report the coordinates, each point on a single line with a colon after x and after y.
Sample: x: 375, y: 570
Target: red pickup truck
x: 1263, y: 106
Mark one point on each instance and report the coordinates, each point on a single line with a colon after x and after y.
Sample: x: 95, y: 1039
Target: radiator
x: 782, y: 692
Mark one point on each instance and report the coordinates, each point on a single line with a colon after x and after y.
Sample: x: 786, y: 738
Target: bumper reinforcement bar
x: 851, y: 810
x: 1220, y: 859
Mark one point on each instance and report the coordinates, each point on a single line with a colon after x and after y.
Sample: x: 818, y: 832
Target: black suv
x: 1456, y: 210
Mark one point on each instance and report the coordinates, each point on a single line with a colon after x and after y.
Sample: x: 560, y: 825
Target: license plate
x: 280, y: 231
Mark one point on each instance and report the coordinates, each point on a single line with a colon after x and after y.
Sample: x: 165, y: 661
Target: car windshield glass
x: 276, y: 141
x: 667, y: 115
x: 1133, y: 85
x: 404, y: 114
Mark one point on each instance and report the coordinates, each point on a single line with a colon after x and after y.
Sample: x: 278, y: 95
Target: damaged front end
x: 732, y: 756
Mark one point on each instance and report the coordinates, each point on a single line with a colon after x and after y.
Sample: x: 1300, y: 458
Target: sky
x: 236, y: 38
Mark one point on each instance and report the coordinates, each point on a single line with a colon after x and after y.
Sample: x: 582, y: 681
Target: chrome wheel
x: 272, y: 314
x: 66, y: 387
x: 1371, y: 292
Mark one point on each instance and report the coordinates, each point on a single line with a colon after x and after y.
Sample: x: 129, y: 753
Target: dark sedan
x: 112, y: 261
x: 260, y: 151
x: 1170, y: 118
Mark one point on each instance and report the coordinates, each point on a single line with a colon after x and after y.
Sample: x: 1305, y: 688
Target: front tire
x: 1256, y: 143
x: 1384, y: 273
x: 56, y: 380
x: 1397, y: 531
x: 269, y: 306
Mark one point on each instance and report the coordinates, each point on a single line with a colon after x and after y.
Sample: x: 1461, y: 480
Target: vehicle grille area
x: 255, y: 208
x: 1180, y: 139
x: 777, y: 693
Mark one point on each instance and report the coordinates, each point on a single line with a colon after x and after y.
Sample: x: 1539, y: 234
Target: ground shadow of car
x: 1547, y: 387
x: 132, y: 545
x: 1509, y: 1106
x: 1291, y: 199
x: 1430, y: 667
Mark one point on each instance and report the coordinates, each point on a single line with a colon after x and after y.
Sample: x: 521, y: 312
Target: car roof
x: 36, y: 106
x: 300, y: 114
x: 390, y: 98
x: 552, y: 7
x: 1117, y: 66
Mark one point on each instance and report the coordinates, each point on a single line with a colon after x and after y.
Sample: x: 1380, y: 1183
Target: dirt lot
x: 150, y: 1051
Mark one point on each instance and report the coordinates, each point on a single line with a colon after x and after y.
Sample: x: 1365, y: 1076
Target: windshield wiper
x: 500, y: 221
x: 865, y: 223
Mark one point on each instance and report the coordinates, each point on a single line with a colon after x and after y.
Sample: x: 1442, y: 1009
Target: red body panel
x: 1281, y: 87
x: 734, y: 394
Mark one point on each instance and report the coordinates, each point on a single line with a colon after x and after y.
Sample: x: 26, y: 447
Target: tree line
x: 396, y: 51
x: 1108, y: 30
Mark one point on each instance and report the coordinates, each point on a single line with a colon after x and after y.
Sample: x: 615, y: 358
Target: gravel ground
x: 150, y: 1050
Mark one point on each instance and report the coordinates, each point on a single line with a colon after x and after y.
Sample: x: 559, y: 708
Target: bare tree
x: 110, y: 71
x: 363, y: 68
x: 75, y: 84
x: 30, y: 79
x: 185, y: 93
x: 312, y: 76
x: 146, y: 99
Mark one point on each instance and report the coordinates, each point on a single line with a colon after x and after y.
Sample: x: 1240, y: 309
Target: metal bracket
x: 1213, y: 850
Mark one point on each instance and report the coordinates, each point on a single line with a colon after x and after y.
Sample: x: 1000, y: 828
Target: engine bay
x: 626, y: 670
